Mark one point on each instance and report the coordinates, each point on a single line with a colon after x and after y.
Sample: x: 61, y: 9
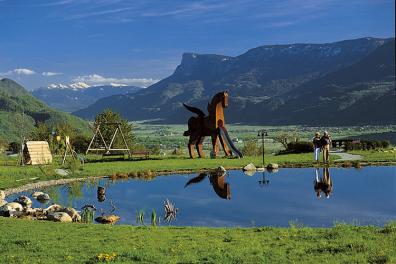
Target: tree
x: 286, y: 138
x: 42, y: 132
x: 108, y: 130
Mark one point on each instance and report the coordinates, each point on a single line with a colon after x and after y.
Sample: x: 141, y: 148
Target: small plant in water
x: 140, y: 217
x: 154, y: 218
x: 88, y: 213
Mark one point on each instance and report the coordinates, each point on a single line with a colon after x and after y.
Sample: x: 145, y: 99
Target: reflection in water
x: 323, y: 184
x: 217, y: 180
x: 101, y: 194
x: 263, y: 182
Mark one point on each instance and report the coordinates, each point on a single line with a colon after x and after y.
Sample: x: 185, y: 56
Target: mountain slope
x: 14, y: 99
x: 363, y: 93
x: 260, y: 81
x: 69, y: 99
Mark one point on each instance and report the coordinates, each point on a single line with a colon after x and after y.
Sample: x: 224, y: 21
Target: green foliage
x: 108, y: 130
x: 250, y: 148
x: 42, y: 132
x: 87, y: 215
x: 154, y: 218
x: 80, y: 143
x: 299, y: 147
x: 367, y: 145
x: 3, y: 145
x: 15, y: 147
x: 20, y: 112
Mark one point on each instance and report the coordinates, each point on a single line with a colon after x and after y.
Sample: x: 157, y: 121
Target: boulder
x: 107, y: 219
x: 221, y: 169
x: 2, y: 202
x: 53, y: 208
x: 36, y: 194
x: 2, y: 195
x: 72, y: 213
x: 62, y: 172
x: 10, y: 207
x: 43, y: 197
x: 59, y: 217
x: 24, y: 201
x: 272, y: 166
x: 249, y: 167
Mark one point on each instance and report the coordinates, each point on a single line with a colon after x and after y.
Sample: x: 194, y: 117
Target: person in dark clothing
x: 325, y: 142
x: 317, y: 146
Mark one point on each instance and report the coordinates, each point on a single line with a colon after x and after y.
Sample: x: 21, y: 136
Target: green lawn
x: 22, y: 241
x: 376, y: 156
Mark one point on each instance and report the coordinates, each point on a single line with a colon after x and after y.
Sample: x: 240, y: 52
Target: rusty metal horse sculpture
x: 202, y: 126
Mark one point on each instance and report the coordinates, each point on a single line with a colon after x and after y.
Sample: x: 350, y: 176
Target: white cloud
x: 51, y: 73
x: 19, y: 71
x: 96, y: 79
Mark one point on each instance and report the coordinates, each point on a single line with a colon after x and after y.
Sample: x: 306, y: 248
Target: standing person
x: 317, y: 146
x: 326, y: 141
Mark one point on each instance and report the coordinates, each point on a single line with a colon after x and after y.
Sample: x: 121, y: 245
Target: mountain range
x: 15, y: 100
x: 80, y: 95
x: 342, y: 83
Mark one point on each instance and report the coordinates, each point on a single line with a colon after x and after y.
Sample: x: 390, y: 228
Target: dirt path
x: 345, y: 156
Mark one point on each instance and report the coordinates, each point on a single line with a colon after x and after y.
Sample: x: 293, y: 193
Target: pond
x: 355, y: 196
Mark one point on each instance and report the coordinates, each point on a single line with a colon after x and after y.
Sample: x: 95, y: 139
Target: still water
x: 356, y: 196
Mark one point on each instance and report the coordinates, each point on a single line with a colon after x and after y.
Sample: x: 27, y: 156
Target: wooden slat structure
x: 37, y: 153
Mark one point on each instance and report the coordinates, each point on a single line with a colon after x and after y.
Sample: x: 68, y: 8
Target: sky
x: 139, y: 42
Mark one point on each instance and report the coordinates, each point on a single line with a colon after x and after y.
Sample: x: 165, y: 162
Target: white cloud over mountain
x: 49, y: 74
x: 96, y: 79
x: 20, y: 71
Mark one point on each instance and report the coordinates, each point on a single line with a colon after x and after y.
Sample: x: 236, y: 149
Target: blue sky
x: 138, y: 42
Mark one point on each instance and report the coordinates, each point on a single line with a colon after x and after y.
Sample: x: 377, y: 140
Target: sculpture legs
x: 199, y: 147
x: 215, y: 145
x: 225, y: 148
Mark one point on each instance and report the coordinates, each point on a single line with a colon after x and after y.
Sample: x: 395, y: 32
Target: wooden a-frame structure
x: 107, y: 148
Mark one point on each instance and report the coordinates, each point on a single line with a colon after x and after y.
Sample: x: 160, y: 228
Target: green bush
x: 299, y: 147
x: 250, y: 148
x: 80, y: 143
x: 366, y: 145
x: 15, y: 147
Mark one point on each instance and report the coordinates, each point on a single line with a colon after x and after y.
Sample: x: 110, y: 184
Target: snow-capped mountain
x: 75, y: 96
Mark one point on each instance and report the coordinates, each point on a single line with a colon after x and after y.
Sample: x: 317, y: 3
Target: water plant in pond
x: 154, y: 218
x: 170, y: 211
x: 88, y: 213
x: 140, y: 217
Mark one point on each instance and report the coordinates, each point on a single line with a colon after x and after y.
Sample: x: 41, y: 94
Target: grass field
x: 375, y: 155
x: 34, y: 242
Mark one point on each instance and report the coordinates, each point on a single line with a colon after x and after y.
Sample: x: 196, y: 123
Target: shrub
x: 15, y: 147
x: 366, y: 145
x: 80, y: 143
x: 299, y: 147
x: 250, y: 148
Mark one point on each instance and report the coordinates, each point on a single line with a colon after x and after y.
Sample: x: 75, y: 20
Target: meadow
x: 24, y: 241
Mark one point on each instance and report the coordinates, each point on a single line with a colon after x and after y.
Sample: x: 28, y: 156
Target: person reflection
x: 323, y: 184
x: 217, y: 180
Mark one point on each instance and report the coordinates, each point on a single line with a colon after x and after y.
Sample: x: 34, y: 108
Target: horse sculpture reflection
x: 202, y: 126
x: 217, y: 180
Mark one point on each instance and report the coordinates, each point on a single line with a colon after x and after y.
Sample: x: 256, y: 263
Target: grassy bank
x: 33, y: 242
x: 13, y: 176
x: 376, y: 155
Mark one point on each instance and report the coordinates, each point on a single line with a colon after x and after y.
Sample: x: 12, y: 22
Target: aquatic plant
x: 88, y: 213
x: 140, y: 217
x: 154, y: 218
x: 170, y: 211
